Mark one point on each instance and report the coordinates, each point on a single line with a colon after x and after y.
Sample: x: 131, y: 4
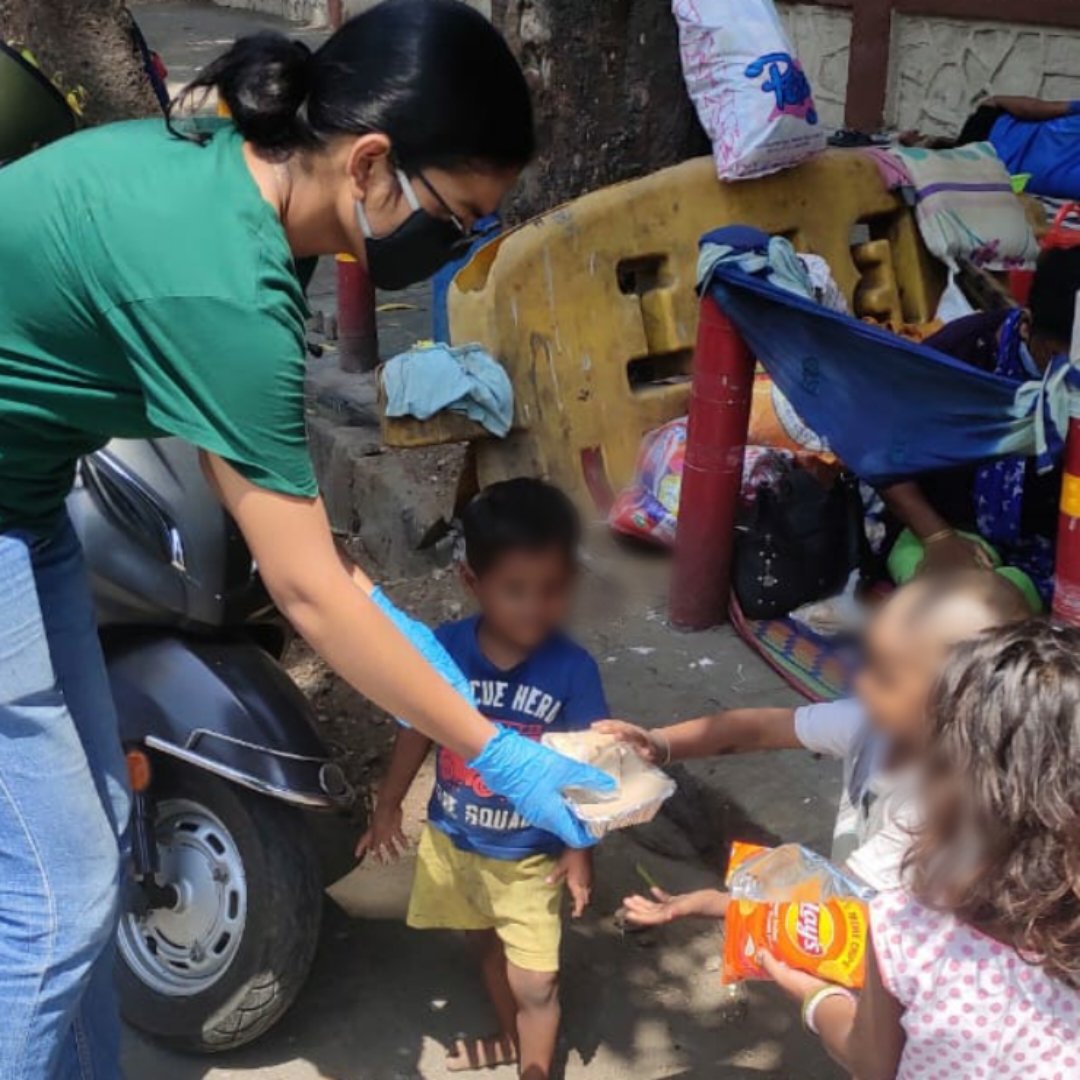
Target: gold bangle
x: 941, y: 534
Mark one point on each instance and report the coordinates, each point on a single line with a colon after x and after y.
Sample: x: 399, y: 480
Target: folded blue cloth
x: 463, y: 378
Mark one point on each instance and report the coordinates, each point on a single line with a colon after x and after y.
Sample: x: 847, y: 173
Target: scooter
x: 222, y: 914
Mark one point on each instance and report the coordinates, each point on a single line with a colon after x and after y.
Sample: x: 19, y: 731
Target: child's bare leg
x: 501, y: 1048
x: 537, y: 996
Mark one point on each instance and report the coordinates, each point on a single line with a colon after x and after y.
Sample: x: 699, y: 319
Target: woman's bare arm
x: 331, y: 609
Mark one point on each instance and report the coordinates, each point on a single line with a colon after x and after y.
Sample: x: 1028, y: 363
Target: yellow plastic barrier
x: 592, y: 307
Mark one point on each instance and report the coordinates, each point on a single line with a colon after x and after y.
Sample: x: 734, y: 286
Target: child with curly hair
x: 975, y: 965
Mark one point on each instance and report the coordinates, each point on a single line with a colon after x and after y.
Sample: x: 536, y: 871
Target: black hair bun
x: 264, y: 80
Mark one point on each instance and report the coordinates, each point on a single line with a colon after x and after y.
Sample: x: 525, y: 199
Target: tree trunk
x: 608, y: 90
x: 84, y: 43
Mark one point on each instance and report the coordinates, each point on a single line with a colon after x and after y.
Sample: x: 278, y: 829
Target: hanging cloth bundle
x: 888, y: 407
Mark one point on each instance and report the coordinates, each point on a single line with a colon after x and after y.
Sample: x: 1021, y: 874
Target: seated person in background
x: 879, y: 735
x: 1006, y: 502
x: 973, y: 968
x: 1031, y: 136
x: 480, y: 867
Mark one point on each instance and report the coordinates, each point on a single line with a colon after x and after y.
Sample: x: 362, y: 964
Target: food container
x: 642, y: 788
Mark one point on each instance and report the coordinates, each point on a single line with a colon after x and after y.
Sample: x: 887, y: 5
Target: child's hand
x: 575, y: 868
x: 646, y: 745
x: 664, y: 908
x: 385, y: 838
x: 796, y: 984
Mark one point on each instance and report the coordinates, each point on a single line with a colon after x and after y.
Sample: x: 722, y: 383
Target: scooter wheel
x: 221, y: 965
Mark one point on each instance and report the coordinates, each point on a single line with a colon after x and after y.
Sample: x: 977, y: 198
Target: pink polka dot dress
x: 972, y: 1007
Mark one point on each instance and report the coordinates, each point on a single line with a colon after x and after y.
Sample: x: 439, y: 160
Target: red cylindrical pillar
x: 1067, y: 559
x: 358, y: 337
x: 720, y: 399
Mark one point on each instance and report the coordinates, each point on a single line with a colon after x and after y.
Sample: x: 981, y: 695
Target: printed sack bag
x: 751, y: 95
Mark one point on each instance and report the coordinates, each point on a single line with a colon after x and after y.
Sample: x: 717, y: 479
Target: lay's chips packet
x: 799, y: 907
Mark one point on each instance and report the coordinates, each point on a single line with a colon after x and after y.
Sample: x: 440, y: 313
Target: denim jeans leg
x: 59, y: 847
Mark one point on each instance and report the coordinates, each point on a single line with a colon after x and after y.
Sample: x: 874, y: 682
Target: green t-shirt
x: 146, y: 288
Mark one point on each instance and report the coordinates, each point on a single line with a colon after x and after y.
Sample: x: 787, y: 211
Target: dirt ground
x: 382, y: 1001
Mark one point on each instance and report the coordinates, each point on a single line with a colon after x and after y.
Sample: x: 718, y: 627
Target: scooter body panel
x: 225, y: 706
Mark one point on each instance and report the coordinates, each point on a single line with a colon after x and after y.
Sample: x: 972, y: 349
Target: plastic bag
x: 648, y: 509
x: 798, y: 906
x: 751, y: 94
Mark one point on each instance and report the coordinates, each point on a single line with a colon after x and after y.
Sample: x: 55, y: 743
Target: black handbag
x: 796, y: 542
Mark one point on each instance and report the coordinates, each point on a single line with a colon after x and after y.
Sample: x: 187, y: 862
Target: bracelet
x: 941, y: 534
x: 812, y: 1001
x: 665, y: 743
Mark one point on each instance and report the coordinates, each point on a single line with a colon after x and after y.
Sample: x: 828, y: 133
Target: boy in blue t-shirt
x: 480, y: 867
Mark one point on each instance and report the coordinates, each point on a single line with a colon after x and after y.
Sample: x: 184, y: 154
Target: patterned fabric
x: 819, y: 668
x: 972, y: 1006
x: 1000, y: 484
x: 966, y: 208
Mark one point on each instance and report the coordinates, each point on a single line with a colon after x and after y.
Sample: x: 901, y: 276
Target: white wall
x: 310, y: 12
x: 942, y: 68
x: 821, y: 39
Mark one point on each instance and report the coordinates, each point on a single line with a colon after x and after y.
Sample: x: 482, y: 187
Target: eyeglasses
x: 457, y: 222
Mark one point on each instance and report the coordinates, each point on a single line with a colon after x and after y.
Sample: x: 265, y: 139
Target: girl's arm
x: 736, y: 731
x: 865, y: 1038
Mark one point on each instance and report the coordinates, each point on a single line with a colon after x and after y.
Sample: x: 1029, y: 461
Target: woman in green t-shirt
x: 149, y: 289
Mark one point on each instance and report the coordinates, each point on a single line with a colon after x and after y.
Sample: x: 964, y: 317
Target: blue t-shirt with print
x: 1048, y: 149
x: 557, y: 688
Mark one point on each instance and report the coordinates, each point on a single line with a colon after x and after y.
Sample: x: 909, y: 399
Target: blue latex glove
x: 426, y: 644
x: 533, y: 778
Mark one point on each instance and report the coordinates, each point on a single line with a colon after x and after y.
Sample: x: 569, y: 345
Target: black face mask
x: 416, y: 249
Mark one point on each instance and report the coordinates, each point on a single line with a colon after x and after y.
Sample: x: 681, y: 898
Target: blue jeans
x: 63, y: 819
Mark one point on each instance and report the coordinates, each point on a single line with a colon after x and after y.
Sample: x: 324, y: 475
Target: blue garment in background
x: 1048, y: 149
x: 1001, y: 485
x: 464, y: 379
x: 557, y: 688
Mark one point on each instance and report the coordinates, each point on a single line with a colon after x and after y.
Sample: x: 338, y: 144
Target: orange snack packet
x: 824, y: 938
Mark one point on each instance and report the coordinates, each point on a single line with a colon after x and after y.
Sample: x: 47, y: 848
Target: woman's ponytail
x: 264, y: 81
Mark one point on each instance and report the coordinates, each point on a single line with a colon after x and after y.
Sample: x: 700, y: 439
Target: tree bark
x: 608, y: 91
x: 84, y: 43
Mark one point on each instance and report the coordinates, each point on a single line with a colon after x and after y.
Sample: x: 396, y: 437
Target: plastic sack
x: 750, y: 92
x: 648, y: 509
x: 798, y: 906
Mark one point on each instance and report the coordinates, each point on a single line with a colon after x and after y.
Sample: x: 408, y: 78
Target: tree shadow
x: 382, y: 1000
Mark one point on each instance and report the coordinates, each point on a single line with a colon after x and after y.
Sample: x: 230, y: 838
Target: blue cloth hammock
x: 889, y: 408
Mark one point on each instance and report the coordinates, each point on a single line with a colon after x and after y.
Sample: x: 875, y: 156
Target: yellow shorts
x: 458, y: 890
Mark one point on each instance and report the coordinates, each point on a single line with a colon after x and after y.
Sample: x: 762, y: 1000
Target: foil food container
x: 642, y: 788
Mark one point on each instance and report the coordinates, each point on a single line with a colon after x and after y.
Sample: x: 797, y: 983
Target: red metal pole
x: 712, y: 474
x: 358, y: 337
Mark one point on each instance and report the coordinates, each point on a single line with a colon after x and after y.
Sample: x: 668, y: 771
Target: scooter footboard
x: 227, y: 707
